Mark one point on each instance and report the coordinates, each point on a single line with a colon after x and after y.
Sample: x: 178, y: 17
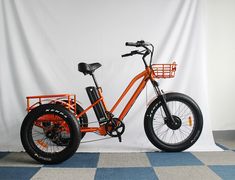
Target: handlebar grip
x: 138, y: 43
x: 131, y: 44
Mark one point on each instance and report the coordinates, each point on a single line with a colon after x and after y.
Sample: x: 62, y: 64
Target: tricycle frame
x: 147, y: 74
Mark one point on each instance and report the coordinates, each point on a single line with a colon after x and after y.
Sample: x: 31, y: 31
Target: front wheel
x: 177, y: 136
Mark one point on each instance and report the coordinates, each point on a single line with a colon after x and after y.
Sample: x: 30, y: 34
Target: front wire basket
x: 164, y: 70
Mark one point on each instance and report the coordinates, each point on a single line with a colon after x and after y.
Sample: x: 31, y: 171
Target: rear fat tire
x: 83, y: 120
x: 52, y: 157
x: 190, y: 140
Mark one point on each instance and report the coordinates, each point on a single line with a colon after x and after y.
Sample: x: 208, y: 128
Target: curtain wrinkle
x: 4, y: 126
x: 43, y: 33
x: 11, y: 57
x: 188, y: 19
x: 32, y: 61
x: 171, y: 35
x: 45, y: 9
x: 47, y: 42
x: 170, y: 29
x: 183, y: 38
x: 188, y: 62
x: 176, y: 27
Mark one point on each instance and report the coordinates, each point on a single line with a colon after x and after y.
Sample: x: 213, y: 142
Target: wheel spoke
x: 183, y: 110
x: 166, y: 134
x: 157, y: 128
x: 50, y: 140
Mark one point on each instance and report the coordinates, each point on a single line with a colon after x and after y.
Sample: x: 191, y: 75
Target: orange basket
x: 164, y: 70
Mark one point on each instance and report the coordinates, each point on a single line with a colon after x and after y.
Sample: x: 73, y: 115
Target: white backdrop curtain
x: 41, y: 43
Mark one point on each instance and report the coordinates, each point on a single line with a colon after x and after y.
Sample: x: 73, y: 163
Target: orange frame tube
x: 146, y: 75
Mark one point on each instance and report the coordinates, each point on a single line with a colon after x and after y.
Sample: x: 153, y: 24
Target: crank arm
x: 119, y: 136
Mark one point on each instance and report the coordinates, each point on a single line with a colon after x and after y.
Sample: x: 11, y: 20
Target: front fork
x: 162, y: 98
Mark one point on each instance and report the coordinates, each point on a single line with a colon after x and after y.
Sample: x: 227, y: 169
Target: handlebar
x: 147, y: 50
x: 138, y: 43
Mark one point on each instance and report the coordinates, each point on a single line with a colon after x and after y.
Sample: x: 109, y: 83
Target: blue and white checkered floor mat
x: 143, y: 166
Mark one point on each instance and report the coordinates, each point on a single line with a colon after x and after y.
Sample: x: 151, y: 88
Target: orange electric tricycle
x: 55, y: 124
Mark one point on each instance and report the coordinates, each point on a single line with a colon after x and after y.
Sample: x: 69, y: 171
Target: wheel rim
x: 174, y: 134
x: 50, y: 133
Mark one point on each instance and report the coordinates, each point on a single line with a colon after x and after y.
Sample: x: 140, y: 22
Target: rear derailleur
x: 115, y: 128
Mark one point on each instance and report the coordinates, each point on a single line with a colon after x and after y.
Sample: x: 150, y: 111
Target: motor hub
x: 174, y: 125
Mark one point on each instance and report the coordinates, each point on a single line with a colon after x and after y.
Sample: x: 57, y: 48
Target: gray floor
x: 157, y: 165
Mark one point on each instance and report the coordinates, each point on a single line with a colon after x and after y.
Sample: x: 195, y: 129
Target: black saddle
x: 88, y: 68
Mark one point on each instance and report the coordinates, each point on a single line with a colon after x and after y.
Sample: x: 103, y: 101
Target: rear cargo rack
x: 67, y: 100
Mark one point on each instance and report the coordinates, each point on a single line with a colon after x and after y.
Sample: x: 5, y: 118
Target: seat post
x: 96, y: 84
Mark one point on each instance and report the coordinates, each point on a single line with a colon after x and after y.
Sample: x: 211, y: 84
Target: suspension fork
x: 162, y: 98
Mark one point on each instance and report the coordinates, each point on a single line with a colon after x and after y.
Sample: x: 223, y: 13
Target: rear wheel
x: 50, y: 134
x: 177, y: 136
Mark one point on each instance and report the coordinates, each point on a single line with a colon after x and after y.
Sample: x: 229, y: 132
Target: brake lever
x: 134, y: 52
x: 131, y: 53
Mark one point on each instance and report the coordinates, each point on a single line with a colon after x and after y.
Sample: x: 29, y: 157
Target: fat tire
x: 83, y: 120
x: 198, y: 120
x: 33, y: 150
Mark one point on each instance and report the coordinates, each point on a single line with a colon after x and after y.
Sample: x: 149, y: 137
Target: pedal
x: 119, y: 138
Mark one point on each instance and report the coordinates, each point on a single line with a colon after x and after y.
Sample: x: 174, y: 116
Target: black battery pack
x: 98, y: 108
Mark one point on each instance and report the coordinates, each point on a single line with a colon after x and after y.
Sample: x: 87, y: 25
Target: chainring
x: 115, y: 127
